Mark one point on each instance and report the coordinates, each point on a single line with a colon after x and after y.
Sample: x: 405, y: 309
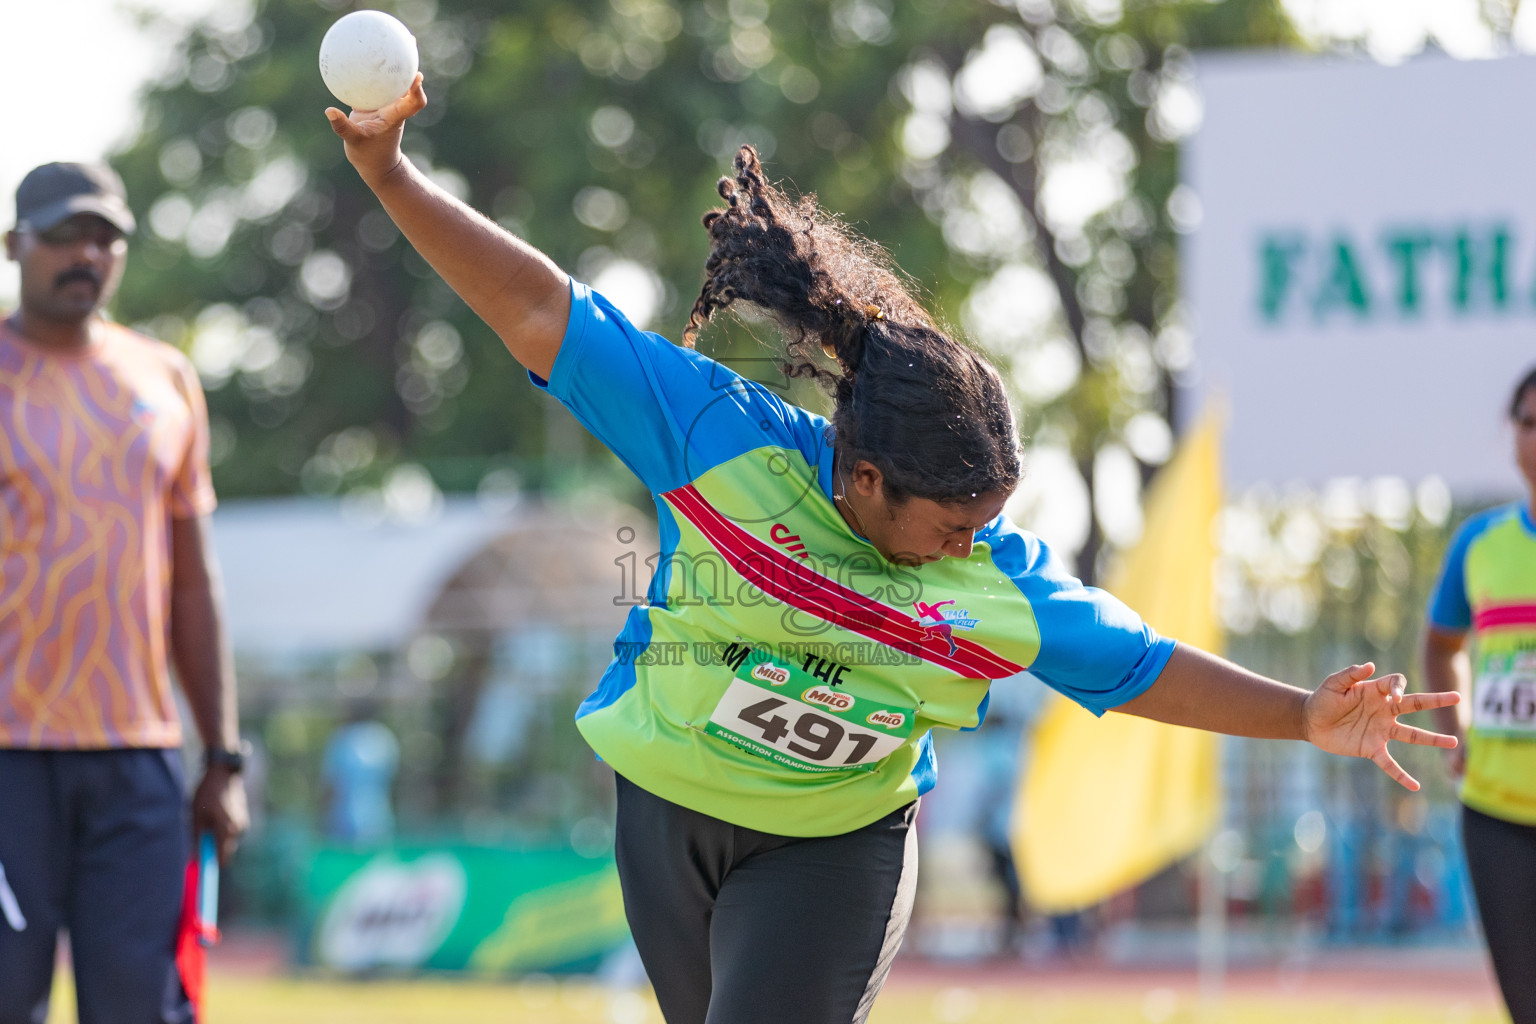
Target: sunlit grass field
x: 243, y: 1000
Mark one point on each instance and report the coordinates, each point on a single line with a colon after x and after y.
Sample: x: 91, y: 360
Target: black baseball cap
x: 53, y: 193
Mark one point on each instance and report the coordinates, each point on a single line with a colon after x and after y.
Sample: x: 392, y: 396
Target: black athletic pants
x: 742, y: 927
x: 1501, y: 858
x: 95, y: 842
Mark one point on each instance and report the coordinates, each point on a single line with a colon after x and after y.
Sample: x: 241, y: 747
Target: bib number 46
x: 1506, y: 704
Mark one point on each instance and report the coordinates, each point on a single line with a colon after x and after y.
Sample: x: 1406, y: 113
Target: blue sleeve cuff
x: 570, y: 346
x: 1146, y: 672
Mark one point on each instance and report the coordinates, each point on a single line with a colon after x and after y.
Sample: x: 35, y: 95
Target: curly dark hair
x: 931, y: 414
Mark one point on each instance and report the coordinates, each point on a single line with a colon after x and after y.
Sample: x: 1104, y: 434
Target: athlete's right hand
x: 372, y: 137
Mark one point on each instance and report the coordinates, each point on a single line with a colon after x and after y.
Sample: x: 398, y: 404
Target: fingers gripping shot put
x: 767, y: 794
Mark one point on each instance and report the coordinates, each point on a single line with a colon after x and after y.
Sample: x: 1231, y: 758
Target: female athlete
x: 1488, y: 590
x: 837, y: 590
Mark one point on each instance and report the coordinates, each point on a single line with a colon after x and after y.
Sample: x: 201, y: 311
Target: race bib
x: 776, y: 711
x: 1504, y: 700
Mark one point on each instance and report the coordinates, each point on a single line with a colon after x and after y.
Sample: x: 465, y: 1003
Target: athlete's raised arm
x: 512, y: 286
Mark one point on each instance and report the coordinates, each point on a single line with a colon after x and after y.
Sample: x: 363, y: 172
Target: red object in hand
x: 193, y: 936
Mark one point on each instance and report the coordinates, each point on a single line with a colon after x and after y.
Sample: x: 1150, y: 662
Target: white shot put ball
x: 368, y: 59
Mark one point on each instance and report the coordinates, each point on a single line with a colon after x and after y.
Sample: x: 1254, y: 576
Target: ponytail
x: 932, y: 415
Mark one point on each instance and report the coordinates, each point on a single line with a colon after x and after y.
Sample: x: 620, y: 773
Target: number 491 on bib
x: 777, y: 712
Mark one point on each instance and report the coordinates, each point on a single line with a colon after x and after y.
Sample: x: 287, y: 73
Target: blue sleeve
x: 668, y: 412
x: 1449, y: 608
x: 1093, y: 649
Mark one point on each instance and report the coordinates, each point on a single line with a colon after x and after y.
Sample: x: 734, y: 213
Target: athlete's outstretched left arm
x: 1350, y: 714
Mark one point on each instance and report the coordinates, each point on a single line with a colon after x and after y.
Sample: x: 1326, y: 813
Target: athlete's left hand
x: 1355, y: 715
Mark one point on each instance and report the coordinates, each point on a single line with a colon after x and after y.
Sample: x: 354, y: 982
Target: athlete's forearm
x: 200, y: 648
x: 1446, y: 670
x: 1200, y: 690
x: 513, y: 287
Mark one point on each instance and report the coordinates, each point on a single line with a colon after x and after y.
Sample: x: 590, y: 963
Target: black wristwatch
x: 230, y: 760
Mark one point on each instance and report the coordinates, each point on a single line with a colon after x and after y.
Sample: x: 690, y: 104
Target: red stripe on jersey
x: 1503, y: 616
x: 798, y: 585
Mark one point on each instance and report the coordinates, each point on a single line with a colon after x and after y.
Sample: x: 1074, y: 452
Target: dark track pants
x: 742, y: 927
x: 94, y: 842
x: 1501, y: 858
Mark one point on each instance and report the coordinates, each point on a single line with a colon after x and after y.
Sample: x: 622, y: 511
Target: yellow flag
x: 1107, y: 802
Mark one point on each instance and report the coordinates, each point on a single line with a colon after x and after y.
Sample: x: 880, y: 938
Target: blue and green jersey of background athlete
x: 1488, y: 586
x: 754, y: 555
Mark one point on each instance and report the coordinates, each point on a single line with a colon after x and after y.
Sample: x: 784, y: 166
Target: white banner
x: 1362, y: 281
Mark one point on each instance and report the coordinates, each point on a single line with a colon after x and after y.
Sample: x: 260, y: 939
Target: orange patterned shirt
x: 99, y: 451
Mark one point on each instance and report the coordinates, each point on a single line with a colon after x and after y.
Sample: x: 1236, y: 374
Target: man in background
x: 107, y: 578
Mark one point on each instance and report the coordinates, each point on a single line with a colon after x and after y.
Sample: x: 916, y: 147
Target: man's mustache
x: 78, y: 274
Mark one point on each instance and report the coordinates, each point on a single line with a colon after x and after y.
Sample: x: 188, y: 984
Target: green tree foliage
x: 1076, y: 111
x: 597, y: 130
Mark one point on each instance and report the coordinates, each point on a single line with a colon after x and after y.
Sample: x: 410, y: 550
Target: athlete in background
x: 856, y: 580
x: 1487, y: 593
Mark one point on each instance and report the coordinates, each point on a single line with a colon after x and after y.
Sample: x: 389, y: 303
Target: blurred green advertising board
x: 461, y: 908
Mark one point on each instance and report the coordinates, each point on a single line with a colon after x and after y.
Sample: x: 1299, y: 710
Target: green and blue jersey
x: 1488, y: 586
x: 781, y: 675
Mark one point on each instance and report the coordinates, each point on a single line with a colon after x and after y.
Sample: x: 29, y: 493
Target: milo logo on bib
x: 770, y: 673
x: 827, y: 698
x: 824, y: 730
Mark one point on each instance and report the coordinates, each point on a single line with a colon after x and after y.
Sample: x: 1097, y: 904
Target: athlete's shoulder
x: 1017, y: 551
x: 1004, y: 530
x: 1489, y: 522
x: 1000, y: 526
